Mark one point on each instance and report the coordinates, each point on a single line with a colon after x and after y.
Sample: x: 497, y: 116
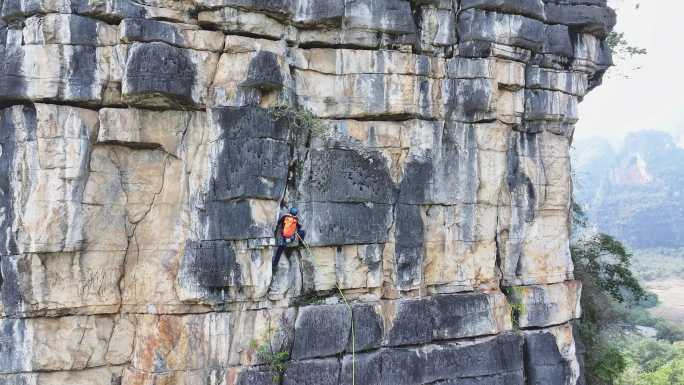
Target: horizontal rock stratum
x: 148, y: 147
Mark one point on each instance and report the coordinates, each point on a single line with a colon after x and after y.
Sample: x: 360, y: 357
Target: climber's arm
x: 279, y: 225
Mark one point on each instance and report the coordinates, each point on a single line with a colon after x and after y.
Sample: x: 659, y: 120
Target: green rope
x: 351, y: 311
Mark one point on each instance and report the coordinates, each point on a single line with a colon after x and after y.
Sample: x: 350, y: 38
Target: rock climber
x: 288, y: 232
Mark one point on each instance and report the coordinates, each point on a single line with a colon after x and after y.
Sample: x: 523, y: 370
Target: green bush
x: 275, y: 360
x: 652, y: 362
x: 301, y: 120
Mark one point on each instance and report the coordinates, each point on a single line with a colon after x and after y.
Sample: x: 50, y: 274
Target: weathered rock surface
x: 148, y: 147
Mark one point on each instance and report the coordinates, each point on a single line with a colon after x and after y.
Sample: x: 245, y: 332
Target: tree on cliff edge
x: 602, y: 264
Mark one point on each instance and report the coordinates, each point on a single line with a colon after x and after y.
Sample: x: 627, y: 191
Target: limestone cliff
x: 148, y: 147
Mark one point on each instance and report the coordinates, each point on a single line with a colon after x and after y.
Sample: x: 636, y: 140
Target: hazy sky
x: 653, y: 96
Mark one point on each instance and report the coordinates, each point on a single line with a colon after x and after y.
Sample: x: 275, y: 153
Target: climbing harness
x: 351, y: 311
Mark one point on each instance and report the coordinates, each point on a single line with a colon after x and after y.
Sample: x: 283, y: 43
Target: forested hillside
x: 635, y: 193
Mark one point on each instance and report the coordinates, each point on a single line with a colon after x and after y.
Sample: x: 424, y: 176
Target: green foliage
x: 652, y: 362
x: 612, y: 300
x: 632, y: 314
x: 659, y: 264
x: 606, y: 261
x: 623, y: 51
x: 602, y: 263
x: 579, y: 216
x: 515, y: 297
x: 275, y: 360
x: 621, y: 48
x: 610, y: 365
x: 598, y: 331
x: 301, y: 120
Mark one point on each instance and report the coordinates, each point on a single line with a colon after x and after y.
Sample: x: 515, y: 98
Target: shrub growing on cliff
x: 301, y: 120
x: 623, y: 51
x: 602, y: 263
x: 274, y: 359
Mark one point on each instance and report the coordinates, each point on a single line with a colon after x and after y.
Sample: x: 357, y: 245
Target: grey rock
x: 263, y: 72
x: 491, y: 360
x: 547, y: 305
x: 550, y: 106
x: 179, y: 35
x: 8, y: 143
x: 367, y: 368
x: 531, y: 8
x: 347, y: 175
x: 524, y: 195
x: 513, y: 378
x: 408, y: 251
x: 71, y: 75
x: 368, y: 328
x: 573, y: 83
x: 543, y: 362
x: 149, y: 30
x: 313, y: 372
x: 597, y: 20
x: 211, y: 263
x: 418, y: 175
x: 253, y: 157
x: 251, y: 168
x: 498, y: 355
x: 234, y: 123
x: 391, y: 16
x: 319, y: 12
x: 463, y: 68
x: 69, y: 30
x: 275, y: 7
x: 17, y: 8
x: 11, y: 296
x: 158, y: 70
x: 411, y: 323
x: 437, y: 28
x: 475, y: 49
x: 238, y: 20
x: 255, y: 377
x: 111, y: 11
x: 557, y: 41
x: 403, y: 367
x: 515, y: 30
x: 331, y: 223
x: 321, y: 331
x: 233, y: 220
x: 13, y: 334
x: 457, y: 316
x: 470, y: 99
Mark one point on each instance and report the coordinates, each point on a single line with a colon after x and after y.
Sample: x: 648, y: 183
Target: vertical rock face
x: 148, y: 147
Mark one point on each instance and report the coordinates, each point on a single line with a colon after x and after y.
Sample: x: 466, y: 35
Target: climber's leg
x: 276, y: 257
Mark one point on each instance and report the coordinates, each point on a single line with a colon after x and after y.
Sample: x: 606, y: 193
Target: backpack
x: 289, y: 226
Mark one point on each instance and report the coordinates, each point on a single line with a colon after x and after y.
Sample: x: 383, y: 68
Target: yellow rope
x: 351, y: 311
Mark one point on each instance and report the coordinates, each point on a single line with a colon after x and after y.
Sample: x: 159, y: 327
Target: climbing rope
x: 351, y: 311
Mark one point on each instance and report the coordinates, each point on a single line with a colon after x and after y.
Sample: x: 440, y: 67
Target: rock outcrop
x: 148, y: 147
